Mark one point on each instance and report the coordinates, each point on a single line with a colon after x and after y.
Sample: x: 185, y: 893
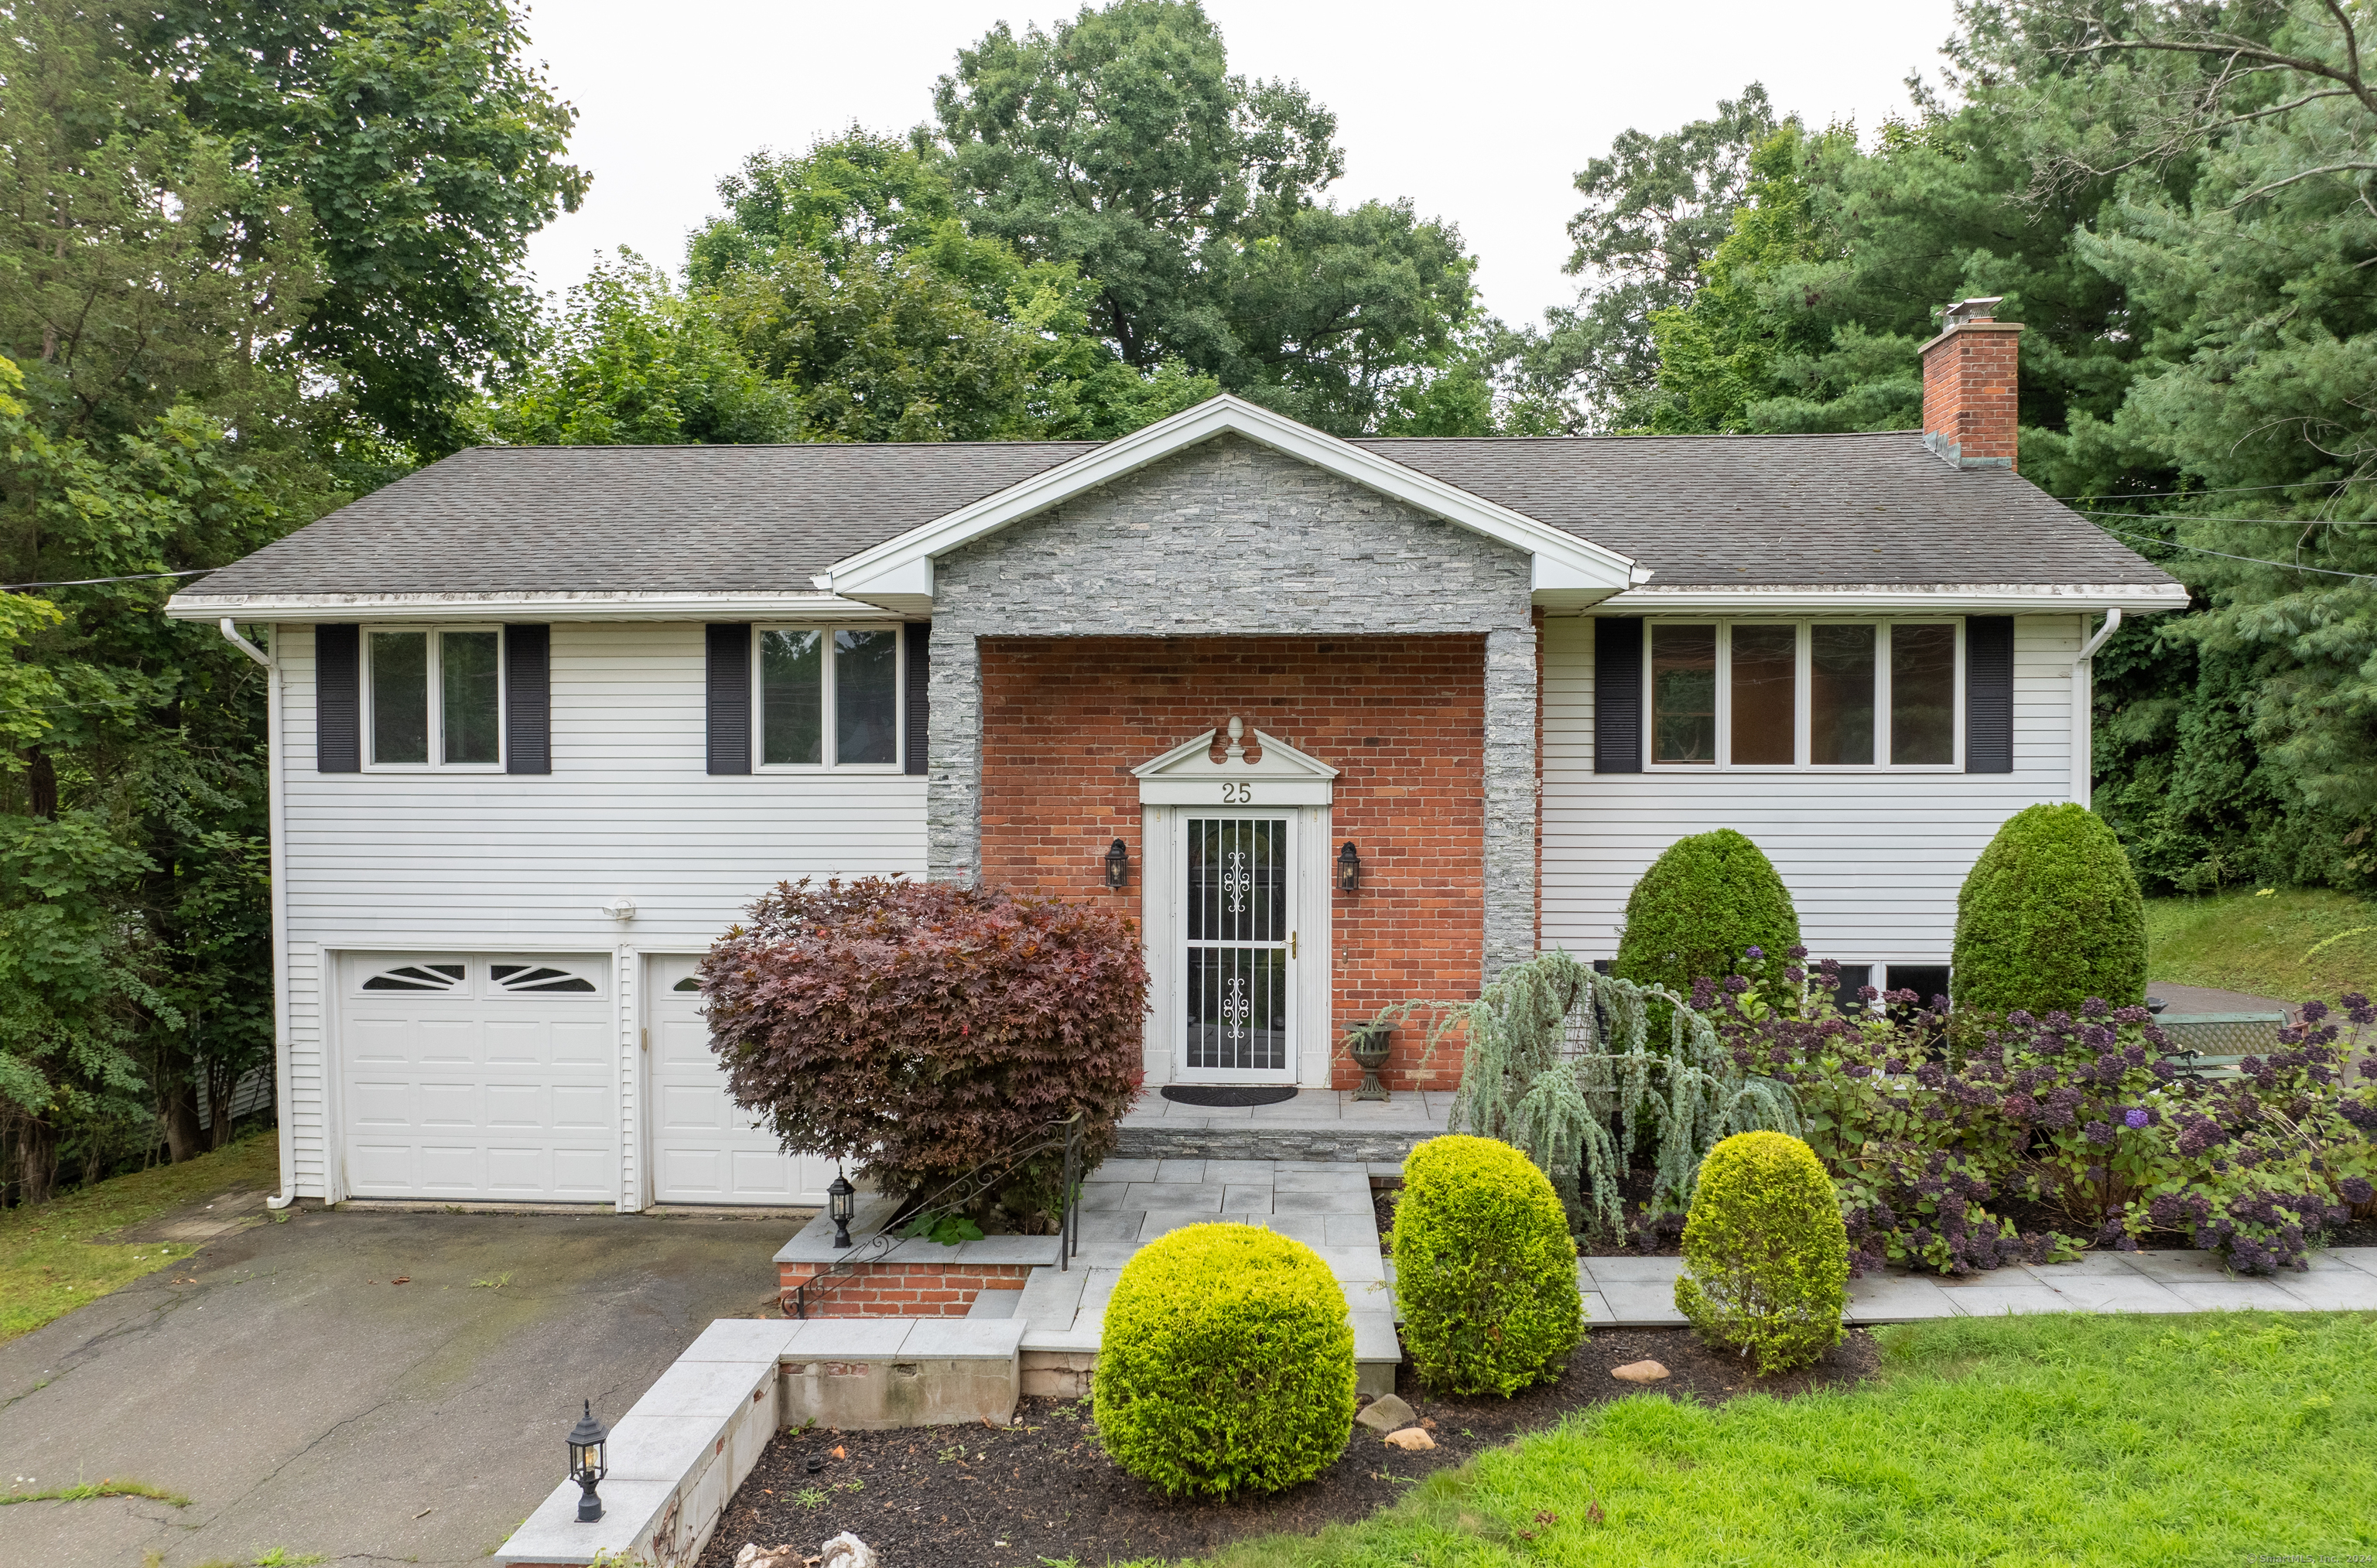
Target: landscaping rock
x: 1640, y: 1371
x: 1411, y: 1440
x: 1385, y: 1413
x: 846, y: 1550
x: 754, y: 1555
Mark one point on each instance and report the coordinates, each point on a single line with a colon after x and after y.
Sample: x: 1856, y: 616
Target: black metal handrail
x: 959, y: 1195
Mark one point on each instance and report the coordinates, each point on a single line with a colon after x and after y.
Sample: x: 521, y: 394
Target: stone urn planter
x: 1368, y: 1045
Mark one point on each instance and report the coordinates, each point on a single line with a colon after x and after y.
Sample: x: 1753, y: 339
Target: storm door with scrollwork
x: 1240, y: 941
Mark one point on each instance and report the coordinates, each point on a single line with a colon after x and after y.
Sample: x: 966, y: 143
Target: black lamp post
x: 1349, y: 869
x: 587, y: 1465
x: 1118, y: 865
x: 841, y: 1201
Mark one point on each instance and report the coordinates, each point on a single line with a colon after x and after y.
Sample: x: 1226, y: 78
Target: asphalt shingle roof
x: 1732, y: 511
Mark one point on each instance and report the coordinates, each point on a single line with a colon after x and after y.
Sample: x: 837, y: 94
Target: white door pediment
x: 1187, y: 775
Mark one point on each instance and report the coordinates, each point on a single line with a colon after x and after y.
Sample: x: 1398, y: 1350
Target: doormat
x: 1229, y: 1094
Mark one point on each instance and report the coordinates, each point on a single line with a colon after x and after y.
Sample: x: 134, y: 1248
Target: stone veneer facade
x: 1232, y: 540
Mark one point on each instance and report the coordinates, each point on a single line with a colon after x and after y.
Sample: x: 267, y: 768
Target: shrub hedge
x: 2050, y: 915
x: 1766, y: 1257
x: 917, y: 1029
x: 1484, y: 1268
x: 1705, y: 903
x: 1226, y: 1364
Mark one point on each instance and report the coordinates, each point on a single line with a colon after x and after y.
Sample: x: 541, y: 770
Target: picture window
x: 1804, y: 693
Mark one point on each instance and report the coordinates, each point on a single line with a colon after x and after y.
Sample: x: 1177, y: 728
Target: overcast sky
x: 1480, y: 111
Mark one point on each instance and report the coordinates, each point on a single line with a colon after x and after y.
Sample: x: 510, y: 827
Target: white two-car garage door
x: 704, y: 1150
x: 478, y: 1078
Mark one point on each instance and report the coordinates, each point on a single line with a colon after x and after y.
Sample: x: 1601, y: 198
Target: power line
x: 88, y: 582
x: 2198, y: 518
x: 2250, y: 560
x: 2213, y: 489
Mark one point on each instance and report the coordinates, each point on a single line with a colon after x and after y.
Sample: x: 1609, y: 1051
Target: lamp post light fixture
x: 1118, y: 865
x: 586, y: 1464
x: 1349, y: 869
x: 842, y: 1202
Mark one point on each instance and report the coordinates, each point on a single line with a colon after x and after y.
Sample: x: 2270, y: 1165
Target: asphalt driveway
x: 304, y: 1400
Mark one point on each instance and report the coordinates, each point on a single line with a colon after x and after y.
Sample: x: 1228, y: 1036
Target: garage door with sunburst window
x: 705, y: 1148
x: 469, y: 1077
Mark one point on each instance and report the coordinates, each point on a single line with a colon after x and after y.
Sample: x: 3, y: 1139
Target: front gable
x: 1563, y: 570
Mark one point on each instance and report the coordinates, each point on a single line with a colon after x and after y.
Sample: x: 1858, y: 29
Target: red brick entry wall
x: 898, y: 1289
x: 1402, y: 718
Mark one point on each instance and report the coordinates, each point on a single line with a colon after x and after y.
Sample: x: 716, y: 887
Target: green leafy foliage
x: 2050, y: 915
x: 1226, y: 1364
x: 1766, y: 1257
x: 1707, y: 901
x: 423, y: 145
x: 920, y: 1029
x: 1484, y: 1270
x: 1118, y: 142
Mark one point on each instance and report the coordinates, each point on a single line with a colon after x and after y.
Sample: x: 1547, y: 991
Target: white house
x: 1349, y: 721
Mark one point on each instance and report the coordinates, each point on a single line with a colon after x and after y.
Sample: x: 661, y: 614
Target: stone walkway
x: 1630, y: 1292
x: 1327, y: 1205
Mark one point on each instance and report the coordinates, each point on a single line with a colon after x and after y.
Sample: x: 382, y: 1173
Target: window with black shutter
x: 1989, y: 694
x: 528, y: 699
x: 1618, y: 694
x: 729, y: 691
x: 338, y: 699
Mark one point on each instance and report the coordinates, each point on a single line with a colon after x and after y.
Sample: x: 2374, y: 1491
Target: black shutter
x: 730, y: 698
x: 528, y: 699
x: 1618, y: 694
x: 1989, y: 694
x: 338, y: 699
x: 920, y: 735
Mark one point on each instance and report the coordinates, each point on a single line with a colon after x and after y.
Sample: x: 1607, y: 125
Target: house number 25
x: 1237, y: 794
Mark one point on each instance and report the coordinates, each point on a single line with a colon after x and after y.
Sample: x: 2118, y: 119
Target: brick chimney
x: 1968, y: 386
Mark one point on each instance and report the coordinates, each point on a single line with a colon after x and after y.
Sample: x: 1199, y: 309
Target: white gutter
x: 276, y: 817
x: 2083, y: 672
x: 626, y: 605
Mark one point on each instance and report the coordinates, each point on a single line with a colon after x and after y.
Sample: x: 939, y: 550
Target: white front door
x: 1236, y: 945
x: 477, y: 1078
x: 705, y: 1150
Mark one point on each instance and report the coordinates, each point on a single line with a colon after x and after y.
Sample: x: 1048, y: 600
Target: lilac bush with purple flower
x: 1926, y: 1121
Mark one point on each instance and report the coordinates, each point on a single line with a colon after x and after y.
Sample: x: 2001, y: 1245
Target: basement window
x: 1835, y: 695
x: 829, y: 696
x: 433, y: 697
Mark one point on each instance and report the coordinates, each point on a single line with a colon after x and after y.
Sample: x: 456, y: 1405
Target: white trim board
x: 898, y: 574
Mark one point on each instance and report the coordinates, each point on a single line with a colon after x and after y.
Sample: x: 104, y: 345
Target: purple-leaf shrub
x: 1924, y: 1120
x: 918, y: 1029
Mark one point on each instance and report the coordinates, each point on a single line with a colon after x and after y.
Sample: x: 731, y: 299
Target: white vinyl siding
x: 1873, y: 858
x: 489, y: 863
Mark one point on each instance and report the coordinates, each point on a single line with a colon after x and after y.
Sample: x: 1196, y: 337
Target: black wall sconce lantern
x: 842, y: 1202
x: 1118, y: 866
x: 1349, y: 869
x: 586, y: 1462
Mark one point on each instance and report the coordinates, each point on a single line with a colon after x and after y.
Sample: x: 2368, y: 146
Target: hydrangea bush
x: 1926, y: 1123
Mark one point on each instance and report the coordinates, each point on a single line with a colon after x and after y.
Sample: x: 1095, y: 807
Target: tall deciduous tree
x: 426, y: 146
x: 1118, y: 141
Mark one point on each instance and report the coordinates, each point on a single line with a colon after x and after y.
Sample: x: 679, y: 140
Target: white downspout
x: 276, y: 817
x: 2084, y: 673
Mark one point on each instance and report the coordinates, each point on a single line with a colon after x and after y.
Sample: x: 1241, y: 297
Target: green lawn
x: 2291, y: 944
x: 2130, y: 1441
x: 49, y: 1265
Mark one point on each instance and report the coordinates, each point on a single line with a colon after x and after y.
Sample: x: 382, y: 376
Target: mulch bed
x: 977, y: 1497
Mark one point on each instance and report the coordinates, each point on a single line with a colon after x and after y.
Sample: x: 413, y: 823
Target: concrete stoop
x: 1327, y: 1125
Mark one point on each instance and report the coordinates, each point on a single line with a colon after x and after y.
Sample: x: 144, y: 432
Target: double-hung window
x: 1804, y: 693
x: 433, y: 697
x: 829, y: 696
